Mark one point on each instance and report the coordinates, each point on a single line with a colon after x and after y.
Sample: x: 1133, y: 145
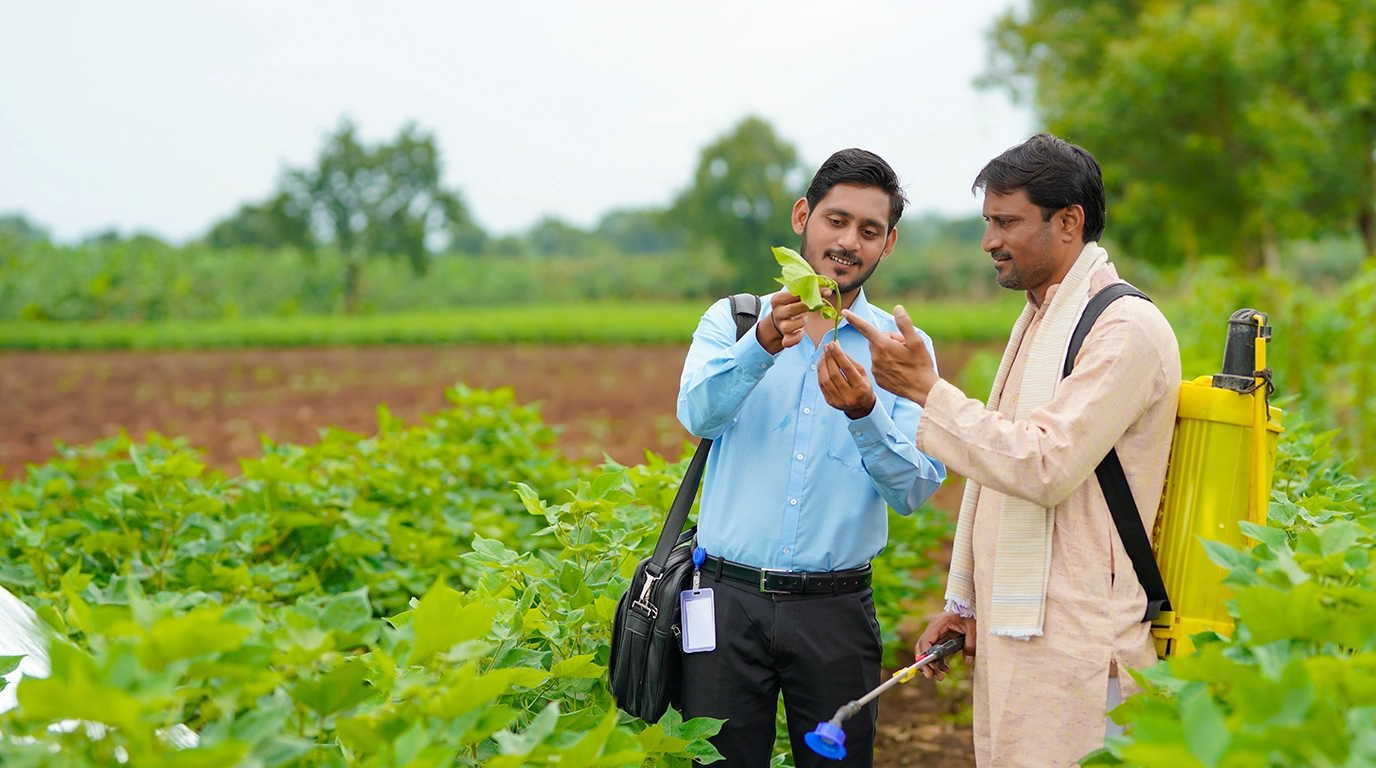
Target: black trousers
x: 821, y: 651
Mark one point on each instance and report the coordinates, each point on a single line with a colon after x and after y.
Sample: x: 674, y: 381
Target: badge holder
x: 698, y: 610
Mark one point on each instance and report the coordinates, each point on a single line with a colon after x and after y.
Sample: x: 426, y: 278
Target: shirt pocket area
x: 841, y: 446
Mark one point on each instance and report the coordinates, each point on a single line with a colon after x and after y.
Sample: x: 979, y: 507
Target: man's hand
x: 902, y: 364
x: 844, y: 382
x: 943, y: 628
x: 783, y: 326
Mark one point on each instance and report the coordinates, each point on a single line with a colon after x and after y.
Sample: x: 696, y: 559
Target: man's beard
x: 843, y: 287
x: 1015, y: 279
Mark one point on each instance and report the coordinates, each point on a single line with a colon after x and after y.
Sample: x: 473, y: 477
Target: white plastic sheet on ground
x: 19, y: 635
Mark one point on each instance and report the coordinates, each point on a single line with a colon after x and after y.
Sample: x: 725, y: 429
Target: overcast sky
x: 165, y: 116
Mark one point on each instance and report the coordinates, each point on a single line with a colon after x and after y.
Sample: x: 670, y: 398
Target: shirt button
x: 807, y: 410
x: 856, y: 432
x: 785, y: 550
x: 814, y: 366
x: 794, y: 502
x: 800, y: 457
x: 764, y: 365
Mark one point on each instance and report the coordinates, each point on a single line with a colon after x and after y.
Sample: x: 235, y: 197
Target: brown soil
x: 617, y: 400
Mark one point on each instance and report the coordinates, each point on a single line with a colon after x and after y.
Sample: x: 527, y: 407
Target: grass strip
x: 584, y: 323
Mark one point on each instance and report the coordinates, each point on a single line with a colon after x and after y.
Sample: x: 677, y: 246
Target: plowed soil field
x: 613, y: 400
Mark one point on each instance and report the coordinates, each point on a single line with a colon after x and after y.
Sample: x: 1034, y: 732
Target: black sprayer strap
x: 1112, y: 480
x: 745, y: 308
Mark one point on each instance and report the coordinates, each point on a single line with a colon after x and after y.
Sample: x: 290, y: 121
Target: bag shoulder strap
x: 1112, y: 480
x: 745, y: 308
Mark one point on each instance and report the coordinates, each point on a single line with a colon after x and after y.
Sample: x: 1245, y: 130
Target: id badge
x: 698, y: 611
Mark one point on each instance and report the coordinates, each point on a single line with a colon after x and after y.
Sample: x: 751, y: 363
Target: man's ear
x: 889, y: 243
x: 800, y: 214
x: 1071, y: 221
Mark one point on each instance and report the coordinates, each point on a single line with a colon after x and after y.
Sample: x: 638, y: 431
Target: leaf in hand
x: 802, y: 281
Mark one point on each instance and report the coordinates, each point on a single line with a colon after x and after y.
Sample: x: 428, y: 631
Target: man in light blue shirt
x: 808, y: 455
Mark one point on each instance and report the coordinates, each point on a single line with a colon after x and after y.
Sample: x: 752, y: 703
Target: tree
x: 1222, y: 127
x: 383, y: 199
x: 17, y: 231
x: 638, y: 230
x: 740, y: 200
x: 278, y: 222
x: 553, y: 236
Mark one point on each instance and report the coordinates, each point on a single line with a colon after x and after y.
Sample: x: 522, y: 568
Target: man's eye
x: 871, y: 233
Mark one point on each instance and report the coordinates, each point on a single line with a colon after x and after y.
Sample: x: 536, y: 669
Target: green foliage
x: 1296, y: 684
x: 16, y: 231
x: 1221, y: 126
x: 436, y: 594
x: 740, y: 200
x: 1322, y: 350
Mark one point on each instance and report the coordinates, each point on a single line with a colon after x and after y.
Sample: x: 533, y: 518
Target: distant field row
x: 584, y: 323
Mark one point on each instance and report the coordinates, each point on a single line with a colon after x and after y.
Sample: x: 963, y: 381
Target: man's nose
x: 991, y: 240
x: 850, y: 239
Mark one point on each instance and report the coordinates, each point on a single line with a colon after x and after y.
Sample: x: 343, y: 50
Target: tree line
x: 1224, y: 127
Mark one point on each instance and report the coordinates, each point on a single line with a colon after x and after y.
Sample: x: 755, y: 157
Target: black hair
x: 1055, y: 174
x: 863, y: 169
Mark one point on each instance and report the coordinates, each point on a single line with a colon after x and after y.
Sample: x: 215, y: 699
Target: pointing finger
x: 865, y: 329
x: 905, y: 326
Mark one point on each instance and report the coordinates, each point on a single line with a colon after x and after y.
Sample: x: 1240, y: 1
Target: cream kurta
x: 1040, y: 702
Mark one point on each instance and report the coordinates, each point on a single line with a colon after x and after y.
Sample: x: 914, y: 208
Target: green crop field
x: 581, y: 323
x: 441, y: 594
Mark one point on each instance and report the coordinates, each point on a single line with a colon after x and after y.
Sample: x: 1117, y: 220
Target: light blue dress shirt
x: 792, y: 483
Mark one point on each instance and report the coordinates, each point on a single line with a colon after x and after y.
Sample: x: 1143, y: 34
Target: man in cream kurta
x: 1053, y: 608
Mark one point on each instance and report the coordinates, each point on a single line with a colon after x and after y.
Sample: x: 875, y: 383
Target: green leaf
x: 73, y: 692
x: 1101, y: 756
x: 1338, y: 536
x: 579, y: 667
x: 654, y: 739
x: 347, y: 612
x: 10, y: 663
x: 468, y: 691
x: 802, y: 281
x: 698, y: 728
x: 1225, y: 556
x: 606, y: 482
x: 442, y: 621
x: 1271, y: 537
x: 520, y: 745
x: 1206, y: 733
x: 337, y: 690
x: 586, y: 750
x: 199, y: 633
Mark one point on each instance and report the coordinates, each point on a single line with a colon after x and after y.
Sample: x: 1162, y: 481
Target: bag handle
x: 745, y: 308
x: 1112, y: 480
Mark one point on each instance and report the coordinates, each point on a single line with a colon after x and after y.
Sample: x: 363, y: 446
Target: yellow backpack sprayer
x: 1220, y: 469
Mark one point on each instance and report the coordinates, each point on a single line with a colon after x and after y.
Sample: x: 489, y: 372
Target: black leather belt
x: 790, y: 582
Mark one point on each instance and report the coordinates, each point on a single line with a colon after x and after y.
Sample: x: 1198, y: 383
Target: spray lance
x: 830, y: 741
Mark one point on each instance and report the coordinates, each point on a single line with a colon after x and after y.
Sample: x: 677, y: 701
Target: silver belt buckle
x: 764, y: 573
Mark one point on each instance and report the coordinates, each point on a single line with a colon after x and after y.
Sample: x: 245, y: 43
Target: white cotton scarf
x: 1022, y: 558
